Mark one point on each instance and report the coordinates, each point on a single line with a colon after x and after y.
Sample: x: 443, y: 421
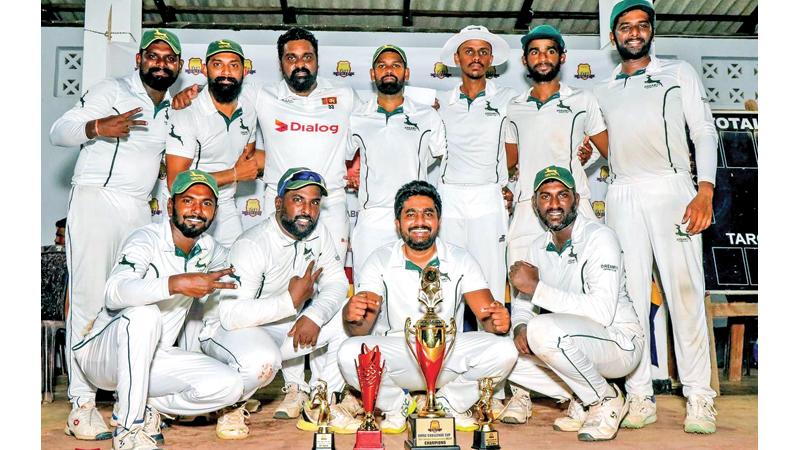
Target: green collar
x: 552, y: 247
x: 411, y: 266
x: 160, y: 106
x: 623, y: 75
x: 470, y: 100
x: 192, y: 253
x: 398, y: 110
x: 236, y: 114
x: 539, y: 103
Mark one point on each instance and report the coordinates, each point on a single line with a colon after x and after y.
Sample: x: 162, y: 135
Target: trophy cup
x: 370, y: 370
x: 485, y: 437
x: 323, y: 438
x: 430, y: 427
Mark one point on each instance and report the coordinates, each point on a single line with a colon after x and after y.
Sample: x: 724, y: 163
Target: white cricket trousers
x: 576, y: 351
x: 256, y: 354
x: 125, y: 357
x: 647, y: 219
x: 374, y: 228
x: 475, y: 218
x: 476, y: 354
x: 98, y: 221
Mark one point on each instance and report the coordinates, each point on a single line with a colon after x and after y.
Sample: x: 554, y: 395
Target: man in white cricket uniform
x: 590, y: 331
x: 120, y: 125
x: 161, y: 268
x: 473, y: 173
x: 387, y: 295
x: 397, y: 140
x: 292, y: 286
x: 653, y: 205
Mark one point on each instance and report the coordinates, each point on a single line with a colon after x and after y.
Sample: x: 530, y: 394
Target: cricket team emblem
x: 599, y: 208
x: 154, y: 209
x: 343, y: 69
x: 252, y: 207
x: 194, y: 66
x: 584, y: 71
x: 440, y: 71
x: 248, y: 67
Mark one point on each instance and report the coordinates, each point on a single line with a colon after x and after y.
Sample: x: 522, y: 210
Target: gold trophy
x: 430, y: 427
x: 485, y: 437
x: 323, y: 438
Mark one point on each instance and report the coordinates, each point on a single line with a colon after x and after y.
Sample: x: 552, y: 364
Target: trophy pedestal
x: 486, y: 440
x: 369, y: 440
x: 431, y: 433
x: 323, y: 441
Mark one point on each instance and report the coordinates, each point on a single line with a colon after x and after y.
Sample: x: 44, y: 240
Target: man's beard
x: 565, y: 222
x: 225, y: 93
x: 189, y: 231
x: 159, y: 83
x: 291, y: 226
x: 390, y: 87
x: 626, y: 54
x: 300, y: 84
x: 418, y: 245
x: 539, y: 77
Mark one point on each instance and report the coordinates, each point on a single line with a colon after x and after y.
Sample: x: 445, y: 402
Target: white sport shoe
x: 602, y: 422
x: 292, y: 403
x: 86, y: 423
x: 641, y: 411
x: 464, y: 421
x: 152, y: 424
x: 519, y: 408
x: 497, y: 407
x: 701, y: 416
x: 394, y: 422
x: 134, y: 439
x: 573, y: 421
x: 233, y: 424
x: 342, y: 422
x: 351, y: 404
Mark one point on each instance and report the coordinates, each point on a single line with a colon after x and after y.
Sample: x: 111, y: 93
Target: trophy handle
x: 409, y: 332
x: 451, y: 330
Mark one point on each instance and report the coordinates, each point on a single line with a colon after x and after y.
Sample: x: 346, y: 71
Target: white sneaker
x: 351, y: 404
x: 152, y: 424
x: 464, y: 421
x: 641, y: 411
x: 342, y: 422
x: 573, y: 421
x: 394, y: 422
x: 519, y: 408
x: 700, y: 415
x: 86, y: 423
x: 232, y: 424
x: 252, y: 405
x: 602, y: 421
x: 292, y: 403
x: 497, y: 407
x: 134, y: 439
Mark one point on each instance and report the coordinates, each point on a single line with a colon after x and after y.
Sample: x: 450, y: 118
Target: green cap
x: 554, y: 173
x: 189, y: 178
x: 222, y: 46
x: 543, y: 32
x: 391, y: 48
x: 300, y: 177
x: 627, y: 5
x: 160, y: 34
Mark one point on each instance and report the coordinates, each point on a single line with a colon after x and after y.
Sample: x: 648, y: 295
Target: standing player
x: 393, y: 272
x: 161, y: 269
x: 120, y: 125
x: 653, y: 205
x: 474, y: 173
x: 291, y: 287
x: 398, y: 140
x: 575, y: 271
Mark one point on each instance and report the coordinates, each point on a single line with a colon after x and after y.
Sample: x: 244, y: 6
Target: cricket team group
x: 190, y: 314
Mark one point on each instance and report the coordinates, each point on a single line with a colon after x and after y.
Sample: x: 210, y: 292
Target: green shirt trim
x: 540, y: 103
x: 236, y: 114
x: 411, y: 266
x: 159, y: 107
x: 470, y: 100
x: 192, y: 253
x: 623, y: 75
x: 552, y: 247
x: 398, y: 110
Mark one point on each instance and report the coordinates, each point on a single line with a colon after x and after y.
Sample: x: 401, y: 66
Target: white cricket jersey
x: 647, y: 114
x: 129, y: 165
x: 265, y: 259
x: 391, y: 275
x: 476, y: 153
x: 550, y: 133
x: 396, y: 148
x: 141, y: 276
x: 587, y: 278
x: 205, y: 135
x: 301, y: 131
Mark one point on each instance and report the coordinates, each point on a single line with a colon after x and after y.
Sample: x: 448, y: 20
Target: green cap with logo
x: 544, y: 32
x: 554, y: 173
x: 222, y: 46
x: 189, y: 178
x: 389, y: 48
x: 627, y: 5
x: 160, y: 34
x: 298, y: 178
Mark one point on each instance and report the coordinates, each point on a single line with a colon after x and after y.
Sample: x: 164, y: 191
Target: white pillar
x: 112, y: 29
x: 604, y: 10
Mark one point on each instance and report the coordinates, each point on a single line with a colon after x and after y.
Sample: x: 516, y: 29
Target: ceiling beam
x: 524, y: 16
x: 167, y: 13
x: 288, y: 12
x: 750, y: 23
x: 408, y: 21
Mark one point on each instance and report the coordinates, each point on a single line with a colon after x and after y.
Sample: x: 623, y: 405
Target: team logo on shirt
x: 562, y: 108
x: 651, y: 83
x: 603, y: 174
x: 573, y: 257
x: 154, y: 209
x: 680, y: 235
x: 124, y: 262
x: 584, y: 71
x: 201, y: 266
x: 330, y: 101
x: 252, y: 207
x: 409, y: 125
x: 248, y: 67
x: 343, y: 69
x: 282, y: 127
x: 194, y: 66
x: 491, y: 111
x: 599, y: 209
x: 82, y: 99
x: 245, y: 129
x: 440, y: 71
x: 308, y: 253
x: 172, y: 134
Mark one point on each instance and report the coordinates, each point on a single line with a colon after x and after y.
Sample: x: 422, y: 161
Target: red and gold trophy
x: 431, y: 427
x: 370, y: 370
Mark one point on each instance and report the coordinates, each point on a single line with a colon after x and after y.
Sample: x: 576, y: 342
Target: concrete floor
x: 737, y: 427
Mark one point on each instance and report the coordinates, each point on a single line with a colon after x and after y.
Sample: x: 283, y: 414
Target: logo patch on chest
x: 649, y: 82
x: 489, y: 111
x: 409, y: 125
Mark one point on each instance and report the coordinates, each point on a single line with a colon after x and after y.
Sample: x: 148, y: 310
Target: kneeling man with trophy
x: 422, y: 280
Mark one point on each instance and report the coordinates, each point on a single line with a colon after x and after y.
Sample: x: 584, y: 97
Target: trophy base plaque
x: 486, y: 440
x: 369, y: 440
x: 323, y: 441
x: 431, y: 432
